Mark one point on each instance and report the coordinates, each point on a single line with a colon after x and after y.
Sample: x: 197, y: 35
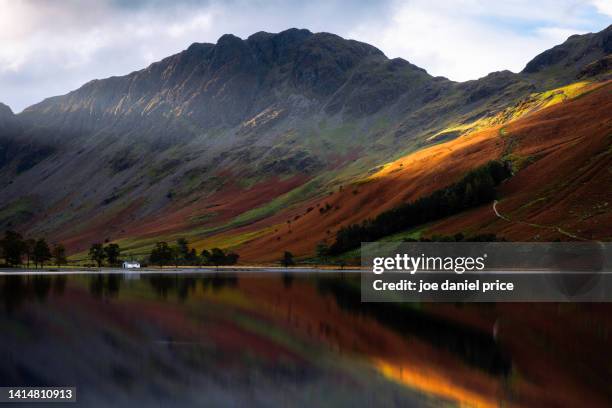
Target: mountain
x: 220, y: 137
x: 9, y: 123
x: 9, y: 128
x: 208, y: 86
x: 562, y: 190
x: 564, y: 62
x: 561, y: 160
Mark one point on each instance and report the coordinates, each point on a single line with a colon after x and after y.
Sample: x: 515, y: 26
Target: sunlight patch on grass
x: 530, y: 104
x: 228, y: 241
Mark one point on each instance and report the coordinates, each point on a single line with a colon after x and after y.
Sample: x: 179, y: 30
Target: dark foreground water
x: 281, y: 339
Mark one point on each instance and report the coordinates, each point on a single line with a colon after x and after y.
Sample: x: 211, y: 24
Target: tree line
x: 477, y: 187
x: 163, y: 254
x: 181, y: 254
x: 101, y: 253
x: 17, y: 250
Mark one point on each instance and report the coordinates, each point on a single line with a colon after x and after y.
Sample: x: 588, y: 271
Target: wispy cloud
x: 51, y: 47
x: 466, y: 39
x: 603, y: 6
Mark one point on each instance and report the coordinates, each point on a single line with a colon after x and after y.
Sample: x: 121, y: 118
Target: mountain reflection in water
x: 281, y: 339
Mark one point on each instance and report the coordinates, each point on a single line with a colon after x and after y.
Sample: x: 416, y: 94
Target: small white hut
x: 131, y: 265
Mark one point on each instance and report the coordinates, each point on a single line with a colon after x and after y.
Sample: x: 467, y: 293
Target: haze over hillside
x: 223, y: 135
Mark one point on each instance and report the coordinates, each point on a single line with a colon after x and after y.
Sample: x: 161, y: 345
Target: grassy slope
x: 567, y: 181
x: 546, y: 140
x: 263, y: 232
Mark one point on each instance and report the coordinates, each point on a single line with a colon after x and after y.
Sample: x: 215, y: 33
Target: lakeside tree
x: 217, y: 257
x: 177, y: 255
x: 59, y: 255
x: 42, y: 253
x: 112, y: 252
x: 287, y: 259
x: 205, y: 257
x: 192, y: 257
x: 161, y: 254
x: 182, y: 254
x: 13, y: 247
x: 322, y: 251
x: 231, y: 258
x: 97, y: 254
x: 182, y: 248
x: 29, y: 245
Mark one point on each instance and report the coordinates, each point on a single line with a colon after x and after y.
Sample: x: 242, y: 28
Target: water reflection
x: 473, y: 346
x: 225, y: 339
x: 15, y: 289
x: 105, y: 285
x: 183, y: 285
x: 287, y: 279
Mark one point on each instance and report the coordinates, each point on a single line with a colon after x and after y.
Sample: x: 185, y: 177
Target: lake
x: 292, y: 339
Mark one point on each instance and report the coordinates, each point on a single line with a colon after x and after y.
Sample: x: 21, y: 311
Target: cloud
x: 467, y: 39
x: 49, y: 47
x: 603, y: 6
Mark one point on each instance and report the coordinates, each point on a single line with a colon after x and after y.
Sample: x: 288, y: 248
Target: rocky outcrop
x: 602, y: 66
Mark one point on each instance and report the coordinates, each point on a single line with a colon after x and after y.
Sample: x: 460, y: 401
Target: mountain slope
x: 563, y: 178
x: 210, y: 86
x: 9, y: 129
x: 564, y: 190
x: 8, y: 121
x: 221, y: 137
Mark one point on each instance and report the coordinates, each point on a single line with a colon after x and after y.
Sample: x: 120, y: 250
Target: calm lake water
x: 282, y: 339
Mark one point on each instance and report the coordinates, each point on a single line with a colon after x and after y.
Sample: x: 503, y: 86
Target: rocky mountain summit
x: 210, y: 86
x: 564, y: 62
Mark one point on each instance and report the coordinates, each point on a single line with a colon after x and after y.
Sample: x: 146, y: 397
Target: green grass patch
x: 518, y: 162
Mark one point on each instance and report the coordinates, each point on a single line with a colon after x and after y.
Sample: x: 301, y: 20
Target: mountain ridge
x: 565, y: 60
x: 319, y: 65
x: 602, y: 39
x: 210, y: 123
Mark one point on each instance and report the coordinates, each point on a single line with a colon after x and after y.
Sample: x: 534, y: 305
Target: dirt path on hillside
x: 549, y: 227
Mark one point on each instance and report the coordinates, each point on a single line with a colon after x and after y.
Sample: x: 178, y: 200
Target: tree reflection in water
x: 475, y: 347
x: 105, y: 285
x: 15, y: 289
x: 183, y: 285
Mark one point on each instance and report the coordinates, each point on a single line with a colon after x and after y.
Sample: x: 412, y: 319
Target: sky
x: 50, y: 47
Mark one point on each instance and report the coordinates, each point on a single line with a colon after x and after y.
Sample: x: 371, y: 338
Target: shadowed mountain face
x: 206, y: 87
x: 9, y: 123
x: 9, y: 129
x: 234, y: 125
